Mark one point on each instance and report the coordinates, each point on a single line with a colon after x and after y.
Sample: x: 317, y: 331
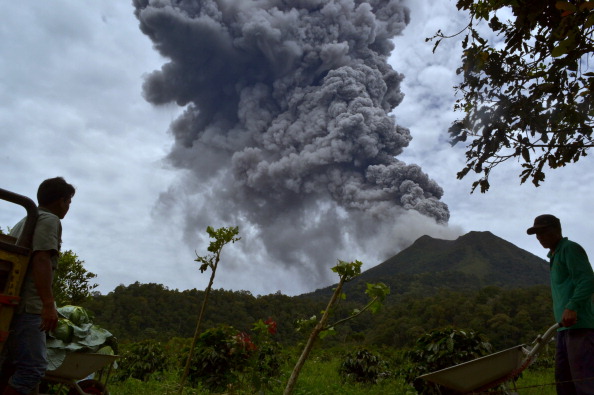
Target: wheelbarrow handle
x: 541, y: 340
x: 26, y: 237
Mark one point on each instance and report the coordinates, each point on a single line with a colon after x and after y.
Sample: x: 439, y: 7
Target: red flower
x: 243, y: 339
x: 271, y: 326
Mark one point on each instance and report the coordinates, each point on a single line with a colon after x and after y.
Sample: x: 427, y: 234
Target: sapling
x: 346, y: 272
x: 222, y: 237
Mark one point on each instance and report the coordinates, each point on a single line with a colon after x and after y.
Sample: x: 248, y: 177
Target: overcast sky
x: 71, y: 104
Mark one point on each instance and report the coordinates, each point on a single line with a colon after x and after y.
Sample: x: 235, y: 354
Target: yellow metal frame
x: 14, y: 260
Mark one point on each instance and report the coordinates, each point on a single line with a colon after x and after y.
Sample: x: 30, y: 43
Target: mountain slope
x: 474, y: 260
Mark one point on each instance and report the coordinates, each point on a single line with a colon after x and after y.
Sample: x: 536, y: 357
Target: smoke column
x: 286, y: 129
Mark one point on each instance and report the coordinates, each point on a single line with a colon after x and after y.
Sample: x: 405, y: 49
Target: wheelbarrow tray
x: 480, y: 372
x: 77, y: 366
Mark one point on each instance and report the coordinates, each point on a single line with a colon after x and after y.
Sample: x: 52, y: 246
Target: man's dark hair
x: 54, y: 189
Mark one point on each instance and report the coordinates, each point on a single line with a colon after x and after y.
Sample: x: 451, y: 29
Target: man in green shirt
x: 572, y: 286
x: 23, y: 360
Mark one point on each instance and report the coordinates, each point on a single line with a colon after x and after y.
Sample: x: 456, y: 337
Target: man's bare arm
x: 42, y: 275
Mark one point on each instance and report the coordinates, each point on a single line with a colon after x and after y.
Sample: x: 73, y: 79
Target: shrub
x: 225, y: 357
x: 363, y: 366
x: 141, y: 360
x: 215, y: 357
x: 441, y: 349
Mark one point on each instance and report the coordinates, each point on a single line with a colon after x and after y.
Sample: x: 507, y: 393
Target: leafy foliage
x: 527, y: 95
x: 440, y: 349
x: 363, y: 366
x: 72, y: 282
x: 225, y: 357
x: 215, y: 356
x: 142, y: 360
x: 506, y: 317
x: 222, y: 237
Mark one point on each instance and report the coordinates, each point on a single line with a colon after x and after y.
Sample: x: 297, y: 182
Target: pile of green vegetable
x: 76, y: 333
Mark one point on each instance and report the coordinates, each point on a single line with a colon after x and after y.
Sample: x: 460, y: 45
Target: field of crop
x: 320, y: 377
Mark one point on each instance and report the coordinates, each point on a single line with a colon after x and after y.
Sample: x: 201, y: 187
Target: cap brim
x: 534, y: 229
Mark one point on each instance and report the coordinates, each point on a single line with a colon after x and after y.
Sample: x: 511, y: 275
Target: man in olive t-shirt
x: 24, y: 358
x: 572, y: 286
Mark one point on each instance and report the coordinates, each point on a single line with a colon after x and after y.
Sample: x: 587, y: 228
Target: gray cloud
x: 287, y: 128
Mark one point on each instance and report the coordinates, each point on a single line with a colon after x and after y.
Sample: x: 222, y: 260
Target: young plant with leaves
x: 222, y: 237
x: 346, y: 272
x: 72, y: 282
x: 528, y: 95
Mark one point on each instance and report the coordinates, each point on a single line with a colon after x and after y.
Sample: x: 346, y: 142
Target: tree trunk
x: 320, y: 326
x: 196, y: 333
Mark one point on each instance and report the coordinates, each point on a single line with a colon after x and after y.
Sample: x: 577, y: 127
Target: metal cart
x: 76, y: 369
x: 490, y: 371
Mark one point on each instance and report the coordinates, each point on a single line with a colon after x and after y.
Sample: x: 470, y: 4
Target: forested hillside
x: 151, y: 311
x: 141, y: 311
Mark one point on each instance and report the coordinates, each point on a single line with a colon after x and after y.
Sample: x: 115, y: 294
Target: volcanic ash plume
x: 286, y: 131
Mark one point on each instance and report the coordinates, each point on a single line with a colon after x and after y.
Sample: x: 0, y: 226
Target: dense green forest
x: 507, y: 317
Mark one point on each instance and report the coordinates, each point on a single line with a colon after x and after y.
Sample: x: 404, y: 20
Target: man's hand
x: 49, y: 318
x: 569, y: 318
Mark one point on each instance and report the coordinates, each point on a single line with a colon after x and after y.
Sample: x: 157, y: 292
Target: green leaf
x: 559, y: 50
x: 377, y: 290
x: 565, y: 6
x: 347, y: 270
x: 526, y: 154
x: 327, y: 332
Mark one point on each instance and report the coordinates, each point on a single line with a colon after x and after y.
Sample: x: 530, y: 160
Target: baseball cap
x: 543, y: 221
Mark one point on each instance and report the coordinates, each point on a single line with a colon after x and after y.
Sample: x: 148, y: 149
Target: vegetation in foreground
x: 255, y: 364
x: 321, y: 376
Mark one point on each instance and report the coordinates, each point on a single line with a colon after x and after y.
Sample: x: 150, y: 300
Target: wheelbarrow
x: 76, y: 369
x: 484, y: 373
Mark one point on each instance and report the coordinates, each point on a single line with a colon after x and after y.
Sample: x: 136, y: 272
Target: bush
x: 142, y: 360
x: 363, y: 366
x: 176, y: 350
x: 441, y: 349
x: 215, y: 357
x: 225, y: 357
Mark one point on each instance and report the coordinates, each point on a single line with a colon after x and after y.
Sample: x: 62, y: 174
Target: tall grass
x: 320, y: 377
x: 536, y: 382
